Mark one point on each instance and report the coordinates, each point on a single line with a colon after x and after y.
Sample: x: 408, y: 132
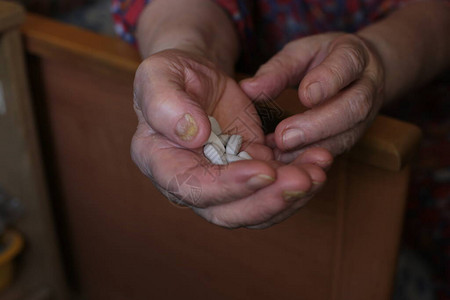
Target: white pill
x: 232, y: 158
x: 213, y: 153
x: 244, y: 155
x: 215, y: 127
x: 234, y: 144
x: 214, y: 139
x: 224, y: 138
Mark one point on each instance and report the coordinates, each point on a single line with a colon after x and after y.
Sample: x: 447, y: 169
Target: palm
x: 219, y: 96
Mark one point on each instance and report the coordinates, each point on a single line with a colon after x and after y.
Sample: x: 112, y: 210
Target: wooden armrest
x: 11, y: 15
x: 47, y: 38
x: 388, y: 144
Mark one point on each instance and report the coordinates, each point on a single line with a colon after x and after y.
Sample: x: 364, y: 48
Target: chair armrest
x: 388, y: 144
x: 48, y: 38
x: 11, y: 15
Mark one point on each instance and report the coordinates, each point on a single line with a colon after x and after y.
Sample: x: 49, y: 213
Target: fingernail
x: 291, y: 196
x: 186, y: 128
x: 260, y: 181
x: 292, y: 137
x: 315, y: 93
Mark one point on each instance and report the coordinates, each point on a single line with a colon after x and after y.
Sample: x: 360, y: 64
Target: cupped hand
x: 339, y: 77
x: 175, y: 91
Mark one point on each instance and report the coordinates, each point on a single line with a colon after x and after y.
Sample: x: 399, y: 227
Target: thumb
x: 168, y: 109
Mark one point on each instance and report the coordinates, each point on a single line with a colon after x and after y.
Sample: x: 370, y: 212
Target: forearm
x: 413, y: 44
x: 198, y: 26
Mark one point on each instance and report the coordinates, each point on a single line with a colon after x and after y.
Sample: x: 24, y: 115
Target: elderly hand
x: 175, y: 91
x: 340, y: 79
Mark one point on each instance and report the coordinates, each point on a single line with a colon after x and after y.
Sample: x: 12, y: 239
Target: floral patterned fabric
x: 264, y: 26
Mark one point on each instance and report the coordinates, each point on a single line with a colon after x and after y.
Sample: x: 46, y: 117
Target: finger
x: 292, y: 185
x: 282, y: 215
x: 313, y: 154
x: 284, y: 69
x: 270, y: 141
x: 317, y: 185
x: 170, y: 167
x: 335, y: 145
x: 259, y: 152
x: 316, y: 173
x: 318, y: 156
x: 350, y: 107
x: 345, y: 141
x: 236, y: 114
x: 344, y: 64
x: 166, y: 106
x: 221, y: 184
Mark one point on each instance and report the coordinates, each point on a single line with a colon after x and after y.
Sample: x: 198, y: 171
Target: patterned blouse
x: 264, y: 26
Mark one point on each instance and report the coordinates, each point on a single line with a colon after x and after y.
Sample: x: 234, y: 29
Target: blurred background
x: 422, y: 272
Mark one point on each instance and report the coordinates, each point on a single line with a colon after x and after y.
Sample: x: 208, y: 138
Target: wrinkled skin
x: 340, y: 79
x: 256, y: 193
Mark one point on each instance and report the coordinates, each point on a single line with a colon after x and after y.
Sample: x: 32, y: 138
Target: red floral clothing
x: 264, y: 26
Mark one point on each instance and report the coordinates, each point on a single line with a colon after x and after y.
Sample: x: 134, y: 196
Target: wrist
x: 199, y: 27
x: 222, y: 57
x: 412, y: 45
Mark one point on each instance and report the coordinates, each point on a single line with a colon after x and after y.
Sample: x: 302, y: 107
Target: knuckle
x: 283, y: 64
x: 276, y: 63
x: 347, y: 141
x: 141, y: 162
x: 336, y: 73
x: 136, y: 159
x: 352, y: 50
x: 310, y: 131
x: 352, y: 137
x: 141, y: 150
x: 139, y: 79
x: 157, y: 59
x: 361, y: 104
x: 145, y: 67
x: 376, y: 79
x: 354, y: 58
x: 142, y: 80
x: 264, y: 214
x: 135, y: 149
x: 341, y: 143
